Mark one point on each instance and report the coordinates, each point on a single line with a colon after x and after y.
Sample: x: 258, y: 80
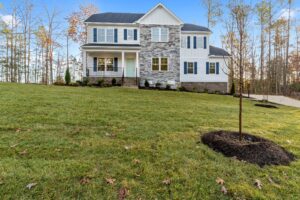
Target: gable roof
x: 193, y: 27
x: 160, y: 5
x: 115, y: 17
x: 215, y: 51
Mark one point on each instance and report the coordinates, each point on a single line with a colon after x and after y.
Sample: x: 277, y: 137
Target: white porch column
x: 137, y: 63
x: 123, y: 63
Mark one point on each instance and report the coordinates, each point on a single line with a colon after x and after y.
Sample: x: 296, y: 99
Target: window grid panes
x: 110, y: 35
x: 101, y: 35
x: 155, y: 64
x: 190, y: 68
x: 101, y: 64
x: 164, y: 34
x: 109, y: 64
x: 164, y: 64
x: 130, y: 34
x: 212, y: 68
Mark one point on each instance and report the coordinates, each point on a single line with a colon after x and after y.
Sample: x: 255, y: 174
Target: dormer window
x: 160, y: 34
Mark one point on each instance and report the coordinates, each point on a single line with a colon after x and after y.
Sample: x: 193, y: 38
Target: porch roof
x: 111, y: 46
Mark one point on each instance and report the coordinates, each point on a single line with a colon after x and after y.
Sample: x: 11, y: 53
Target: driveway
x: 278, y: 99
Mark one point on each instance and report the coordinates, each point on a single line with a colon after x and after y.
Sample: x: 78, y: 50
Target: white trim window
x: 212, y: 68
x: 101, y: 35
x: 130, y: 34
x: 159, y: 34
x: 110, y: 35
x: 190, y: 68
x: 105, y: 64
x: 106, y: 35
x: 160, y: 64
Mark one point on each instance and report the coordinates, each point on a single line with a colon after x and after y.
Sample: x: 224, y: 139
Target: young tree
x: 240, y: 12
x: 214, y: 12
x: 67, y: 76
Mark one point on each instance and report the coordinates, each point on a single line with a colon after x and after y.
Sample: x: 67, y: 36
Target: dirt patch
x: 266, y: 106
x: 251, y: 149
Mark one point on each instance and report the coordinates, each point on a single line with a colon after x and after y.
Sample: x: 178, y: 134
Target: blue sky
x: 190, y: 11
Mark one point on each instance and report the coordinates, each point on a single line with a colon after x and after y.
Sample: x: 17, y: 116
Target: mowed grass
x: 71, y: 133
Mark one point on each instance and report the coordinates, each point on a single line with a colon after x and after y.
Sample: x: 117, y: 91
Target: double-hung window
x: 101, y: 64
x: 190, y: 68
x: 101, y: 35
x: 105, y: 64
x: 160, y: 64
x: 130, y: 34
x: 110, y: 35
x: 160, y: 34
x: 110, y: 64
x: 212, y: 68
x: 105, y: 35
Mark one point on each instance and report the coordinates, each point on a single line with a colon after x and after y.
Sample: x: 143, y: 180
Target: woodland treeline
x: 265, y: 52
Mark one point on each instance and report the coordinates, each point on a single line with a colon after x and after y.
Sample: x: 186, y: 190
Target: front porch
x: 122, y: 65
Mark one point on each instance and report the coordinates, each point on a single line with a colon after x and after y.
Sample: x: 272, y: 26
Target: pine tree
x: 67, y: 76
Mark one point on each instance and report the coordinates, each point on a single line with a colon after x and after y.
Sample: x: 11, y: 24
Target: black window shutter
x: 135, y: 34
x: 116, y: 35
x: 188, y: 42
x: 217, y: 68
x: 205, y: 41
x: 95, y: 64
x: 185, y: 67
x: 195, y: 68
x: 95, y: 35
x: 115, y: 64
x: 195, y: 42
x: 125, y: 34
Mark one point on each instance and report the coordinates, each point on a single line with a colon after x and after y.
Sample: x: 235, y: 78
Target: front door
x: 130, y: 68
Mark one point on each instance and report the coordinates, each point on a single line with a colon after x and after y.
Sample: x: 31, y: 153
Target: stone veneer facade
x: 170, y: 50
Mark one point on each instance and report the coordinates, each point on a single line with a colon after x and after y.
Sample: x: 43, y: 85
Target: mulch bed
x: 251, y: 149
x: 266, y: 106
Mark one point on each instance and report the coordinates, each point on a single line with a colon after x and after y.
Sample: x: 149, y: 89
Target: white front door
x: 130, y: 67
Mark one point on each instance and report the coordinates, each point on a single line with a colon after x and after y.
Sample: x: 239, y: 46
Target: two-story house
x: 157, y: 47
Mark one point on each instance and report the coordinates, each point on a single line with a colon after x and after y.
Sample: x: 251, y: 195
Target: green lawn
x: 56, y: 136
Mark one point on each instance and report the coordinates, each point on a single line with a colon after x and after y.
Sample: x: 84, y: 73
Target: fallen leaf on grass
x: 220, y: 181
x: 31, y: 185
x: 18, y: 130
x: 13, y: 146
x: 167, y: 181
x: 85, y: 180
x: 123, y: 193
x: 128, y: 147
x: 224, y: 190
x: 258, y: 184
x: 110, y: 181
x: 136, y: 161
x: 23, y: 153
x: 289, y: 141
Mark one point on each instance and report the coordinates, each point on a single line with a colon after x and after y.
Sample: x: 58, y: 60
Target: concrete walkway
x: 278, y: 99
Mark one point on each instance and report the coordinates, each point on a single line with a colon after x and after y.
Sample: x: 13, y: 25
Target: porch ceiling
x: 114, y: 47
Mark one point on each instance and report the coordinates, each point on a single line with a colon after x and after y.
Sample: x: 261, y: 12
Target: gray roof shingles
x: 215, y: 51
x: 115, y: 17
x: 193, y: 27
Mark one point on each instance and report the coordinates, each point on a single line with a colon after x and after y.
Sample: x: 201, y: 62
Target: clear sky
x: 190, y: 11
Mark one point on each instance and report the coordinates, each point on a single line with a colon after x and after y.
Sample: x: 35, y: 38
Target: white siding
x: 201, y: 76
x: 120, y: 33
x: 160, y: 16
x: 200, y: 56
